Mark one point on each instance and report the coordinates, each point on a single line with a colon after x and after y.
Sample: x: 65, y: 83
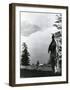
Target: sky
x: 36, y: 32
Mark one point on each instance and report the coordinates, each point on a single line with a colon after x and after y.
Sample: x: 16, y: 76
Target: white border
x: 17, y: 43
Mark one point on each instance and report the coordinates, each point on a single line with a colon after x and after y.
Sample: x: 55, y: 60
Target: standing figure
x: 52, y: 49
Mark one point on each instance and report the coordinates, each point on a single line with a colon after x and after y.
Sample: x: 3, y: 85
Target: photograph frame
x: 12, y: 42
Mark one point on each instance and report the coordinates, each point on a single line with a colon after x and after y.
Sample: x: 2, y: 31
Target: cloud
x: 28, y: 28
x: 34, y: 22
x: 38, y: 44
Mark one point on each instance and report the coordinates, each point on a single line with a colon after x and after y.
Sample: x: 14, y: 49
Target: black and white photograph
x: 41, y: 44
x: 38, y: 44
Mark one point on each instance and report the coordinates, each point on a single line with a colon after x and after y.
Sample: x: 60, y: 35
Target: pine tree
x: 58, y: 25
x: 37, y: 64
x: 25, y: 55
x: 58, y: 22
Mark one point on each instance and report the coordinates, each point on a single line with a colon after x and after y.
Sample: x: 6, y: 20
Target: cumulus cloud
x: 36, y: 32
x: 28, y: 28
x: 34, y: 22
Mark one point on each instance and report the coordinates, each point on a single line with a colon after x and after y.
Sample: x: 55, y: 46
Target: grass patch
x: 36, y: 73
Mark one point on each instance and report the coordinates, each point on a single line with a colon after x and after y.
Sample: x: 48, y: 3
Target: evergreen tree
x: 58, y: 22
x: 58, y: 25
x: 25, y: 55
x: 37, y: 64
